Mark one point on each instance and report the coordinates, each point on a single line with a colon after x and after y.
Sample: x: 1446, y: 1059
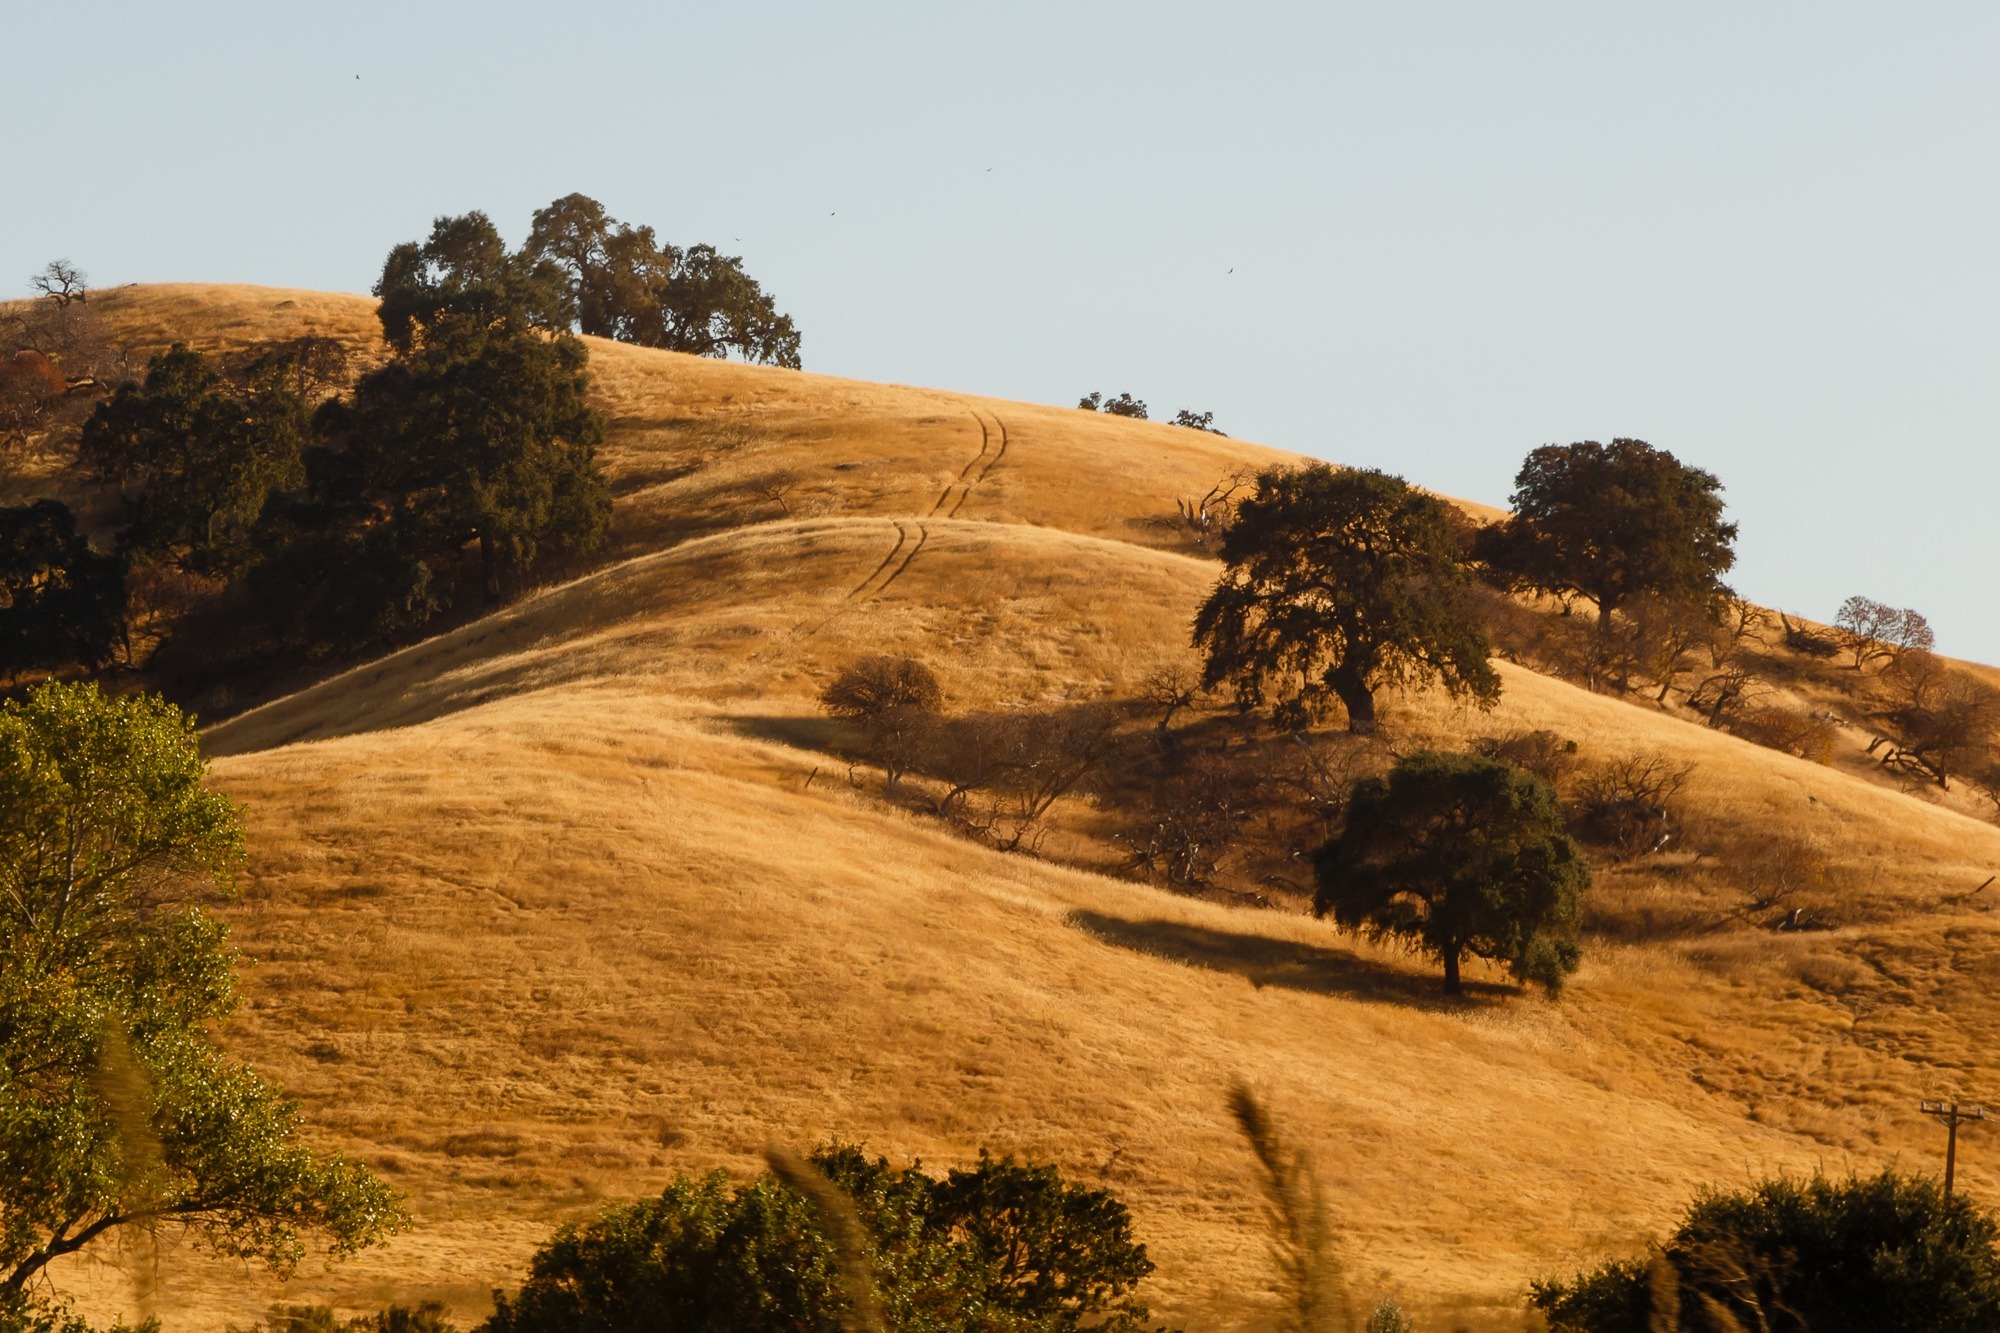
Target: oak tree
x: 1341, y: 582
x: 1124, y: 405
x: 895, y: 700
x: 1877, y: 632
x: 194, y: 461
x: 1458, y: 854
x: 483, y: 435
x: 117, y: 1109
x: 625, y: 283
x: 1609, y: 523
x: 464, y: 272
x: 61, y: 603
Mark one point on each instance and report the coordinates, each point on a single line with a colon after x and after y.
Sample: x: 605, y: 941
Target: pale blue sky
x: 1761, y: 235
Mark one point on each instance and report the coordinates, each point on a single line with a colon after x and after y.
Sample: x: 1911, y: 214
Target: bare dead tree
x: 1723, y: 694
x: 1985, y: 780
x: 1801, y: 638
x: 61, y: 282
x: 1204, y: 517
x: 1915, y: 676
x: 777, y: 486
x: 1052, y: 752
x: 1946, y: 731
x: 969, y: 755
x: 1629, y: 804
x: 1665, y: 631
x: 1877, y: 632
x: 1191, y: 823
x: 895, y: 700
x: 1173, y: 689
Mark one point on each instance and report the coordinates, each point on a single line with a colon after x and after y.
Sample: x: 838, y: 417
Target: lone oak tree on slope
x: 1339, y: 582
x: 116, y: 1109
x: 1458, y: 854
x: 1610, y: 523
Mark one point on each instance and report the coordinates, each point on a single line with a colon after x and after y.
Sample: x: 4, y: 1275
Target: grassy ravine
x: 552, y: 905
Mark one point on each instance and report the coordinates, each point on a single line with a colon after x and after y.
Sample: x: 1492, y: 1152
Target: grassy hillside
x: 562, y: 901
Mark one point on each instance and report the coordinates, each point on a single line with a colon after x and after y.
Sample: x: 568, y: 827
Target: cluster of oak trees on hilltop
x: 306, y: 511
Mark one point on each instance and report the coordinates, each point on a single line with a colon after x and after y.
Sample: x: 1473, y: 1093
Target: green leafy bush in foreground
x: 1004, y: 1247
x: 1881, y: 1254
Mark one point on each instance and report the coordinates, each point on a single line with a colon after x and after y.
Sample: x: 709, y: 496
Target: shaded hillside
x: 564, y: 900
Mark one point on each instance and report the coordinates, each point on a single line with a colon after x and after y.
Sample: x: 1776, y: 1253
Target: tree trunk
x: 489, y: 568
x: 1608, y: 659
x: 1451, y: 986
x: 1357, y: 698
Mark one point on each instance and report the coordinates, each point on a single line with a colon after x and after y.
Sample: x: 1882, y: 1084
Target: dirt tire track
x: 901, y: 537
x: 999, y: 454
x: 923, y: 535
x: 991, y: 463
x: 984, y: 443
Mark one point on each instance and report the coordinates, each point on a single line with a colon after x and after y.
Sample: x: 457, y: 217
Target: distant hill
x: 561, y: 901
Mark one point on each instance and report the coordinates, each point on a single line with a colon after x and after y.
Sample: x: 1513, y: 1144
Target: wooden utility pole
x: 1949, y: 1114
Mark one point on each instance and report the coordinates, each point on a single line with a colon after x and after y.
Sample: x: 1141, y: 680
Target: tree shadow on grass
x: 821, y: 734
x: 1263, y: 961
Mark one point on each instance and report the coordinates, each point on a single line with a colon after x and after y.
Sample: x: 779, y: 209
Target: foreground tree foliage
x: 1610, y: 523
x: 1459, y: 854
x: 116, y: 1109
x: 1341, y: 582
x: 1881, y: 1254
x: 1006, y: 1246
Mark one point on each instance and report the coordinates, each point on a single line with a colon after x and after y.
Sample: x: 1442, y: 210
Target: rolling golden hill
x: 564, y: 900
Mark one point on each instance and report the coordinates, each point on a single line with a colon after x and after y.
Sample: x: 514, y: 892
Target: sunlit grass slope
x: 570, y: 898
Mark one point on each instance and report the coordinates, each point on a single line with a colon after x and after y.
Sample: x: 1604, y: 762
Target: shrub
x: 1779, y: 728
x: 1628, y: 805
x: 1004, y: 1246
x: 1883, y: 1254
x: 1542, y: 752
x: 429, y: 1317
x: 895, y: 700
x: 1388, y: 1317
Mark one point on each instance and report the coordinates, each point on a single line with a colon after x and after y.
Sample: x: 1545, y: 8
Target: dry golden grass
x: 555, y: 904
